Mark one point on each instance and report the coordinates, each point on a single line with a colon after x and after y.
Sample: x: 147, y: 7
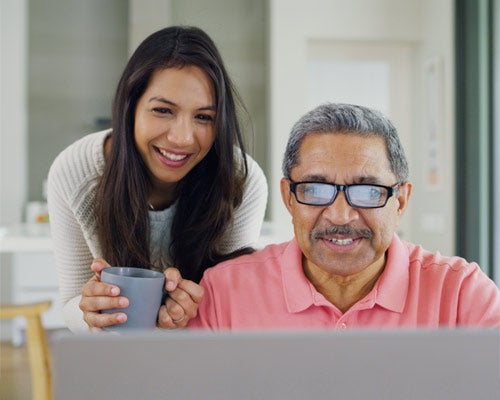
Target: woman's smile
x: 172, y: 158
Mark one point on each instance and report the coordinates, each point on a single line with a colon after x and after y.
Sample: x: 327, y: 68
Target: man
x: 346, y: 186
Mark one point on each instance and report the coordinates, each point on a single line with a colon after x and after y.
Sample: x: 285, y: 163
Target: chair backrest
x: 38, y: 349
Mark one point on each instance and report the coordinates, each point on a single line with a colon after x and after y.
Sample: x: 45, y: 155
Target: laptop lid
x: 404, y: 364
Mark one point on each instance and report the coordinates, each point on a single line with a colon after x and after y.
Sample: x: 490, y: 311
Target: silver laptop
x: 404, y: 364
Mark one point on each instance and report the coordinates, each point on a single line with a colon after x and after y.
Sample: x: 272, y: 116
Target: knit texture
x: 71, y: 190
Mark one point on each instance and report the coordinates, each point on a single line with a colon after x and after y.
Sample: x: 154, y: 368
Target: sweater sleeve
x: 249, y: 216
x: 70, y: 195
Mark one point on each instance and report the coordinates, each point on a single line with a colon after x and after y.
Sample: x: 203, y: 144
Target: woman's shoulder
x: 82, y: 161
x: 256, y: 179
x: 87, y: 154
x: 252, y: 164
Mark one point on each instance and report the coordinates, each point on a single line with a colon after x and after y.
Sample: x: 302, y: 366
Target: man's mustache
x: 317, y: 233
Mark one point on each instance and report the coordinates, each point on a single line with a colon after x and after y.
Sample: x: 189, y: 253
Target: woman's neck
x: 162, y: 195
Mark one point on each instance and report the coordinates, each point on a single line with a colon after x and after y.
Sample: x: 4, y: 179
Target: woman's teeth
x: 172, y: 156
x: 342, y: 242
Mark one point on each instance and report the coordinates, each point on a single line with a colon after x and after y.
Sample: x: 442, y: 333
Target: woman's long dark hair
x: 207, y: 195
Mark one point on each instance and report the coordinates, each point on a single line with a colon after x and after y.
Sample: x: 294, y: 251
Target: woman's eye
x: 162, y: 110
x: 205, y: 117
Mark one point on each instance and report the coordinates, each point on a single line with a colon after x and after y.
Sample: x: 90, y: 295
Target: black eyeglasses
x: 357, y: 195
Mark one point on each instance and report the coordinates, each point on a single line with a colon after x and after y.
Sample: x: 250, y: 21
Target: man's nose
x: 340, y: 212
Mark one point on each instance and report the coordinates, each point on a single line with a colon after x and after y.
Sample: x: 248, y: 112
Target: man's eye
x: 375, y: 193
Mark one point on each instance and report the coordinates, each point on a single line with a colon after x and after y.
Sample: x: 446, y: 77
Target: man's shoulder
x: 270, y: 255
x: 426, y: 260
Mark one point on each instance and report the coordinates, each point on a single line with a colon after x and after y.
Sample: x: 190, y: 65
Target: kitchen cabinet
x: 32, y: 272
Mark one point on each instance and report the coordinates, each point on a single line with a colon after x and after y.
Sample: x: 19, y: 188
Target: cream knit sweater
x: 72, y: 182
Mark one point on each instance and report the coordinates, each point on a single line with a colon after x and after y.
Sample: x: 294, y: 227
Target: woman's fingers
x: 97, y: 296
x: 188, y: 292
x: 181, y: 305
x: 98, y: 303
x: 94, y: 287
x: 172, y: 278
x: 92, y: 306
x: 98, y: 265
x: 97, y: 320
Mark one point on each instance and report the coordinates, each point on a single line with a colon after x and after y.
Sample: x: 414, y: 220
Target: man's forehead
x: 342, y: 145
x: 362, y: 157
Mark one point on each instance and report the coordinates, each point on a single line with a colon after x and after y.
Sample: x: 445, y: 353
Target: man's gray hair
x: 347, y: 119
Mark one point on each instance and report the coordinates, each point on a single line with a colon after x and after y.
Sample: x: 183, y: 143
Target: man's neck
x: 345, y: 291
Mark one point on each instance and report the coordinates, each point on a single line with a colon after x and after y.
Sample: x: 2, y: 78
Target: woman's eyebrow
x: 171, y: 103
x: 162, y: 100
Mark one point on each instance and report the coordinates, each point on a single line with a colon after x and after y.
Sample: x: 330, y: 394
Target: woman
x: 169, y: 185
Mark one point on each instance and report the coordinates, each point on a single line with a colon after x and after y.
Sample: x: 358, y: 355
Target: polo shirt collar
x: 389, y: 292
x: 299, y: 292
x: 391, y: 288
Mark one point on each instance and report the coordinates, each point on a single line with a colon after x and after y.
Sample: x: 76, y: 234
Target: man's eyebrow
x: 357, y: 179
x: 314, y: 178
x: 171, y: 103
x: 368, y: 179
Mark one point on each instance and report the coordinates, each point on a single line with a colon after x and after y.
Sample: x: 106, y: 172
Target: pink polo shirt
x: 268, y: 290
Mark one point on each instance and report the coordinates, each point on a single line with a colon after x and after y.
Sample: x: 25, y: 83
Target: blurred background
x: 432, y: 66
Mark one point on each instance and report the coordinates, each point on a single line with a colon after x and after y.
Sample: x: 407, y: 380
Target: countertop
x: 33, y: 237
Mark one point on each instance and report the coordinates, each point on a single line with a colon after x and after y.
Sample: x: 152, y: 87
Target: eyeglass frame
x: 391, y: 191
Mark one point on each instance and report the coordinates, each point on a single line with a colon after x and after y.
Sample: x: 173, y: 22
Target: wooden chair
x: 38, y: 349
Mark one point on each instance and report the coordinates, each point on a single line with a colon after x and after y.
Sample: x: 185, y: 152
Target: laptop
x: 386, y: 364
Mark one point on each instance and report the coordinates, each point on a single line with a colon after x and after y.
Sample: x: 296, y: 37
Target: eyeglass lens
x: 317, y: 193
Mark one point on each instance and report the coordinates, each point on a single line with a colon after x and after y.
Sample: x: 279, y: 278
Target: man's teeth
x: 341, y: 242
x: 171, y: 156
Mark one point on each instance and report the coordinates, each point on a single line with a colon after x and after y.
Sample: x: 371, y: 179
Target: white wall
x: 425, y: 25
x: 146, y: 17
x: 77, y: 50
x: 13, y: 117
x: 434, y: 208
x: 13, y: 113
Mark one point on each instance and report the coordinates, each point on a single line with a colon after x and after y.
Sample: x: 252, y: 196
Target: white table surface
x: 35, y: 237
x: 25, y: 238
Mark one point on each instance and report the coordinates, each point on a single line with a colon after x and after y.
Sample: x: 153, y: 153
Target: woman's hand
x: 97, y: 296
x: 183, y: 300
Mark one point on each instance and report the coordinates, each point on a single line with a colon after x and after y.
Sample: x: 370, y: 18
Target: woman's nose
x: 181, y: 131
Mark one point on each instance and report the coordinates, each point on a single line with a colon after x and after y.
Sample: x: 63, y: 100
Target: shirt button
x: 343, y: 326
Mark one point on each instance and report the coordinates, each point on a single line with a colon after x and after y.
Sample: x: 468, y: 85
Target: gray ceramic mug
x: 144, y: 290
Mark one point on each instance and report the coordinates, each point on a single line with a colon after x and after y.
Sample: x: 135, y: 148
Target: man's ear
x: 286, y: 195
x: 404, y: 195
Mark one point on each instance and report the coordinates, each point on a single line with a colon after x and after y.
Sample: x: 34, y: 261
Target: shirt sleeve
x: 479, y: 301
x: 249, y: 216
